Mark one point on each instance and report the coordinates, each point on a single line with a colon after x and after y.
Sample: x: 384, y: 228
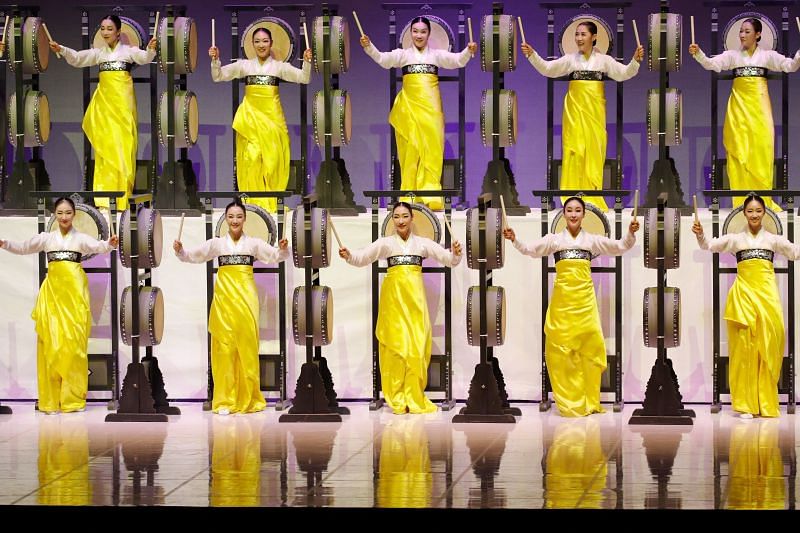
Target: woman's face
x: 420, y: 34
x: 584, y: 39
x: 235, y: 218
x: 574, y: 213
x: 64, y: 216
x: 754, y: 214
x: 402, y: 218
x: 109, y: 32
x: 263, y: 44
x: 748, y: 36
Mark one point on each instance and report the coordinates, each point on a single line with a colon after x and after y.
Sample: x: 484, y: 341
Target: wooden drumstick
x: 521, y: 31
x: 358, y: 23
x: 449, y: 228
x: 305, y: 34
x: 285, y: 212
x: 691, y: 25
x: 213, y: 33
x: 636, y: 33
x: 5, y: 27
x: 505, y: 217
x: 180, y: 228
x: 49, y: 38
x: 335, y: 233
x: 696, y: 217
x: 155, y: 26
x: 797, y: 19
x: 469, y: 25
x: 635, y: 203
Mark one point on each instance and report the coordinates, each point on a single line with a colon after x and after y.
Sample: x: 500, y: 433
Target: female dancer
x: 584, y: 135
x: 404, y: 327
x: 233, y: 320
x: 575, y: 350
x: 754, y: 314
x: 262, y: 138
x: 749, y: 133
x: 62, y: 314
x: 110, y: 120
x: 416, y: 115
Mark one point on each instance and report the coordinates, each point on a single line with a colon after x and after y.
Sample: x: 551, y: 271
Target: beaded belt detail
x: 573, y: 254
x: 64, y: 255
x: 262, y: 79
x: 755, y: 253
x: 235, y: 260
x: 115, y: 66
x: 749, y: 72
x: 421, y: 68
x: 398, y: 260
x: 586, y: 75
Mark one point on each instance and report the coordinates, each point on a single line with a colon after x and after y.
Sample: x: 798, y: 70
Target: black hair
x: 63, y: 199
x: 403, y: 204
x: 757, y: 27
x: 577, y: 199
x: 592, y: 27
x: 423, y: 20
x: 753, y: 197
x: 265, y: 30
x: 237, y: 202
x: 113, y: 18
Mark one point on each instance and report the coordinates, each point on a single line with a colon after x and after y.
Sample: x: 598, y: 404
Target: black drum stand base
x: 136, y: 403
x: 311, y: 403
x: 662, y: 399
x: 484, y: 403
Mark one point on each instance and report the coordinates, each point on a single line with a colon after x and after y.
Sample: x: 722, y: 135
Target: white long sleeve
x: 596, y: 244
x: 597, y: 62
x: 401, y: 57
x: 95, y: 56
x: 74, y: 241
x: 246, y: 245
x: 736, y: 242
x: 386, y: 247
x: 254, y: 67
x: 730, y: 59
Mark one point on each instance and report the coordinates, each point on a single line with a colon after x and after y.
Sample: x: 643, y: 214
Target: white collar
x: 236, y: 245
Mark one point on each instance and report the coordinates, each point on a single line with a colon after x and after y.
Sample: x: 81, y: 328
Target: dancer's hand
x: 344, y: 253
x: 697, y: 228
x: 54, y: 46
x: 509, y: 234
x: 365, y: 42
x: 473, y: 48
x: 213, y: 53
x: 113, y: 241
x: 693, y: 49
x: 283, y: 244
x: 527, y: 49
x: 634, y: 227
x: 177, y: 246
x: 2, y: 243
x: 152, y: 44
x: 307, y: 55
x: 456, y: 248
x: 638, y: 55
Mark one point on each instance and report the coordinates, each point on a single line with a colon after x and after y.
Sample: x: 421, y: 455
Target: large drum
x: 187, y: 121
x: 340, y: 45
x: 495, y: 316
x: 87, y: 220
x: 672, y: 317
x: 672, y: 238
x: 594, y: 221
x: 37, y: 119
x: 131, y: 34
x: 258, y: 223
x: 341, y: 118
x: 736, y: 222
x: 566, y: 38
x: 673, y: 53
x: 495, y: 243
x: 441, y: 37
x: 425, y: 223
x: 320, y: 238
x: 35, y: 46
x: 151, y: 316
x: 185, y: 45
x: 149, y: 240
x: 506, y: 55
x: 673, y: 134
x: 284, y: 41
x: 769, y: 32
x: 507, y: 122
x: 322, y: 317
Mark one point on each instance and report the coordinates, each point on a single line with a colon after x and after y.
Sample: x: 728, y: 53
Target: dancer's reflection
x: 313, y: 446
x: 236, y: 461
x: 404, y: 475
x: 755, y: 466
x: 64, y: 461
x: 576, y: 466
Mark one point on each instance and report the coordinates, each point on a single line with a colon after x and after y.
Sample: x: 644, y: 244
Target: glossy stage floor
x: 380, y: 460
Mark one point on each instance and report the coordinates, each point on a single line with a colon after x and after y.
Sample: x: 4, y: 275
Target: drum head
x: 34, y: 34
x: 441, y: 38
x: 192, y: 119
x: 566, y: 39
x: 595, y: 221
x: 348, y: 117
x: 283, y: 38
x: 736, y: 222
x: 258, y: 223
x: 42, y: 110
x: 769, y: 33
x: 131, y: 34
x: 425, y: 224
x: 190, y: 47
x: 87, y: 220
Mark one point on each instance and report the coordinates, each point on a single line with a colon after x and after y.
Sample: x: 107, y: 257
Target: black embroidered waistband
x: 235, y: 260
x: 262, y: 79
x: 398, y: 260
x: 750, y: 72
x: 755, y: 253
x: 420, y: 68
x: 64, y: 255
x: 574, y: 253
x: 586, y: 75
x: 115, y: 66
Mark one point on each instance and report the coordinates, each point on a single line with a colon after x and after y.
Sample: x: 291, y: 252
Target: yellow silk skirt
x: 235, y: 462
x: 63, y: 322
x: 404, y: 336
x: 756, y: 338
x: 584, y: 139
x: 755, y: 467
x: 110, y: 126
x: 405, y: 479
x: 64, y: 461
x: 233, y: 324
x: 418, y: 123
x: 575, y: 350
x: 262, y: 144
x: 749, y: 138
x: 577, y: 467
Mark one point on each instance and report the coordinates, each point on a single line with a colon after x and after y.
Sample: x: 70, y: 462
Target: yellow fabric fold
x: 404, y: 479
x: 755, y: 467
x: 262, y: 144
x: 235, y: 462
x: 418, y: 123
x: 576, y: 467
x: 64, y: 462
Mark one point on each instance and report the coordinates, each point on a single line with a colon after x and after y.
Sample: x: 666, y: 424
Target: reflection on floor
x: 376, y: 459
